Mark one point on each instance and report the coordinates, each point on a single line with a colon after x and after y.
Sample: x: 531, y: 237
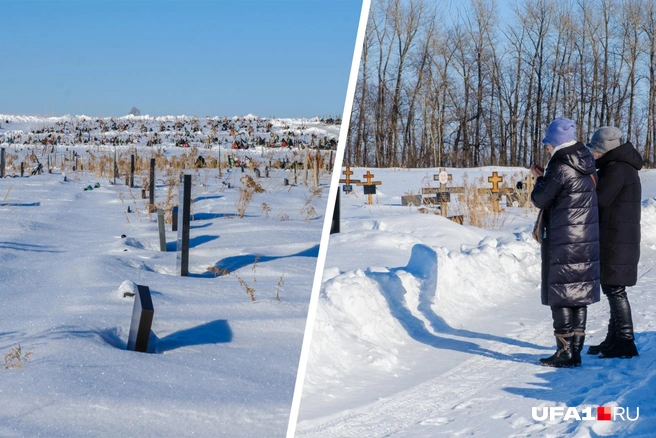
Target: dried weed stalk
x: 16, y: 357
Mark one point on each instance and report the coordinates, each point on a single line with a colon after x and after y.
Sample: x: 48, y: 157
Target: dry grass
x: 476, y: 204
x: 16, y: 358
x: 250, y: 187
x: 308, y: 211
x: 280, y: 284
x: 219, y: 272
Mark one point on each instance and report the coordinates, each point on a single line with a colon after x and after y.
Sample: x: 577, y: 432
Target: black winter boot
x: 610, y: 335
x: 579, y: 317
x: 562, y: 323
x: 623, y: 345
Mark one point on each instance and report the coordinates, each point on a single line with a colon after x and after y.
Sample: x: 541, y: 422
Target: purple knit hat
x: 560, y: 131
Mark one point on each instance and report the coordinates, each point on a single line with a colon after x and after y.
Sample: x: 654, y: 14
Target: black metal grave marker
x: 183, y: 226
x: 2, y: 163
x: 334, y: 226
x: 151, y: 199
x: 174, y: 218
x: 142, y: 320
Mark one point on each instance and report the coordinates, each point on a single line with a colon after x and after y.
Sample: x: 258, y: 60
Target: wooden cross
x: 443, y: 192
x: 495, y: 179
x: 348, y: 188
x: 369, y: 186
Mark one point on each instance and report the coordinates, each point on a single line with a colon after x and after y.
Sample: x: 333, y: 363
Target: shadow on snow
x: 423, y: 266
x: 235, y: 263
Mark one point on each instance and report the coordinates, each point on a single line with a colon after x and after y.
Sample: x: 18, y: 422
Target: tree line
x: 444, y: 85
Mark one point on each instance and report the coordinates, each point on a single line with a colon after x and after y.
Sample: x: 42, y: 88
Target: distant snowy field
x: 427, y: 328
x: 222, y: 365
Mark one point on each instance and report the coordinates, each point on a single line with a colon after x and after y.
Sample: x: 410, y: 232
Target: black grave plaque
x: 142, y: 320
x: 443, y: 197
x: 369, y: 189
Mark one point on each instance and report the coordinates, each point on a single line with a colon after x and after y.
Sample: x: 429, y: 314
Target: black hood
x: 625, y: 153
x: 577, y: 157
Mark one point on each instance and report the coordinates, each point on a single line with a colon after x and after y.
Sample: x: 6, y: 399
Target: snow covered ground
x: 427, y: 328
x: 221, y: 364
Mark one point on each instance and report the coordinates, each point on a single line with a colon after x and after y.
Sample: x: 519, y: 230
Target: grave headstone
x: 174, y: 219
x: 407, y: 200
x: 151, y: 199
x: 369, y: 186
x: 183, y: 226
x: 334, y: 226
x: 443, y: 192
x: 142, y: 320
x: 495, y: 179
x: 162, y: 231
x: 131, y: 170
x: 347, y: 187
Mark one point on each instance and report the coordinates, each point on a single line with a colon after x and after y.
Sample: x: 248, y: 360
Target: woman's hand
x: 536, y: 170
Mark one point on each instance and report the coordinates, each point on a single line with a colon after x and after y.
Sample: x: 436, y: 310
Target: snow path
x: 476, y: 374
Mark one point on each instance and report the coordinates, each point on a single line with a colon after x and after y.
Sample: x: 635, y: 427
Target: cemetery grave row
x: 440, y: 197
x: 235, y: 133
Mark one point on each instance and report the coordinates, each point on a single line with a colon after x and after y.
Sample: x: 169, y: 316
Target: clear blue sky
x: 271, y: 58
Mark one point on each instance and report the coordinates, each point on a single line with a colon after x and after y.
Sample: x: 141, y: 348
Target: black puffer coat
x: 619, y: 194
x: 570, y: 237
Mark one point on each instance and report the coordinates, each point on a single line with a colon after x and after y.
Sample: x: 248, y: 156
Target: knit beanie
x: 560, y: 131
x: 605, y: 139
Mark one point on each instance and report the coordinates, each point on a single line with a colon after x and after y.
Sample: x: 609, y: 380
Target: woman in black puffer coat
x: 570, y: 238
x: 619, y: 195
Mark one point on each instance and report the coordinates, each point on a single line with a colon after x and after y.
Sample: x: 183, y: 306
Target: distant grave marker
x: 2, y: 163
x: 142, y: 320
x: 131, y: 170
x: 183, y: 226
x: 369, y: 186
x: 495, y: 179
x: 443, y: 192
x: 347, y: 187
x: 174, y: 218
x: 495, y: 192
x: 151, y: 199
x: 162, y: 231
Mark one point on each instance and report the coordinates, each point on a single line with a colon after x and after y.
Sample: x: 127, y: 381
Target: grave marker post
x: 369, y: 186
x: 142, y: 320
x: 347, y: 187
x: 495, y: 179
x: 334, y: 227
x: 131, y: 170
x: 151, y: 199
x: 443, y: 192
x: 174, y: 219
x: 183, y: 226
x: 2, y: 163
x: 162, y: 231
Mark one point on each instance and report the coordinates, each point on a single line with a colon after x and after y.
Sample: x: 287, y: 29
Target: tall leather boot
x: 579, y: 319
x: 610, y: 335
x: 562, y: 323
x: 623, y: 346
